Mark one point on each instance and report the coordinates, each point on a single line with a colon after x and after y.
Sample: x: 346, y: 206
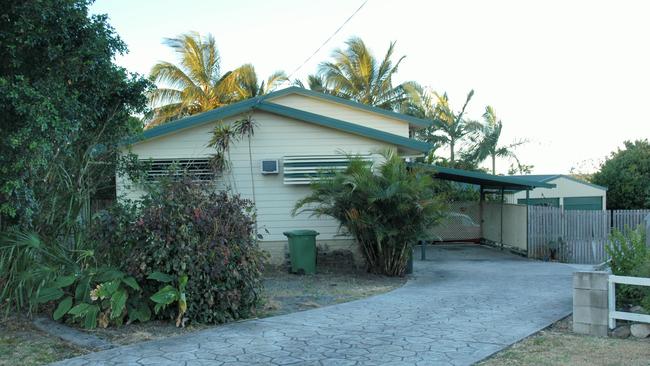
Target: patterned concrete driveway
x: 461, y: 306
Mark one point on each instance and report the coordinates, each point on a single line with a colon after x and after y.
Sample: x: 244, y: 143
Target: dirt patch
x: 557, y: 345
x: 287, y: 293
x: 20, y: 340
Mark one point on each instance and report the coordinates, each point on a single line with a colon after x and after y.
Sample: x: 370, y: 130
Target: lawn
x: 284, y: 293
x: 558, y: 346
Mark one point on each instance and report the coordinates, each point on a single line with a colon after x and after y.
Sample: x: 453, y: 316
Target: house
x: 569, y: 192
x: 298, y: 132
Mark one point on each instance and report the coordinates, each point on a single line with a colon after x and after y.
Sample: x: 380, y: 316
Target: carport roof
x: 487, y: 181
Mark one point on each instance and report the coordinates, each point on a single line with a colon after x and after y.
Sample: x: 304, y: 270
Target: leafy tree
x: 626, y: 174
x: 64, y: 106
x: 197, y: 83
x: 386, y: 209
x: 355, y: 73
x: 486, y: 141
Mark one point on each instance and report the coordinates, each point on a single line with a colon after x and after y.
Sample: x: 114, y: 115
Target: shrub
x: 630, y: 257
x: 627, y: 250
x: 186, y: 228
x: 386, y: 212
x: 102, y: 295
x: 28, y: 264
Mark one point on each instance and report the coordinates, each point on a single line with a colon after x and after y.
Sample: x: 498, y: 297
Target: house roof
x: 259, y: 103
x: 551, y: 177
x: 487, y: 181
x: 416, y: 122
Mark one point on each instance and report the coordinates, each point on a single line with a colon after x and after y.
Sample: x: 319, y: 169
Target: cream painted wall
x: 274, y: 138
x: 514, y: 224
x: 344, y: 113
x: 564, y: 188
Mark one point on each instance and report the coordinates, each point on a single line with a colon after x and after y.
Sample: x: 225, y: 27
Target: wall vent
x: 303, y: 169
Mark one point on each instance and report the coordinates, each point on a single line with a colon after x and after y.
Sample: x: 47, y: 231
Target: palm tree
x: 197, y: 83
x: 357, y: 75
x: 486, y: 141
x: 247, y: 84
x: 448, y: 128
x: 315, y: 82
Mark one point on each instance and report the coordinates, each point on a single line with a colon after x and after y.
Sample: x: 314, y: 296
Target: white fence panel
x: 613, y: 314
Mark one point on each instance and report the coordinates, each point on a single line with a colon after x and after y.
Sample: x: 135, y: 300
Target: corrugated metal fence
x: 575, y: 236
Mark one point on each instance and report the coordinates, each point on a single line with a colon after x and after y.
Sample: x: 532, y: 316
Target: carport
x: 501, y: 224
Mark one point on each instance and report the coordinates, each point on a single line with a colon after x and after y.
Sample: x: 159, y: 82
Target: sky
x: 570, y: 77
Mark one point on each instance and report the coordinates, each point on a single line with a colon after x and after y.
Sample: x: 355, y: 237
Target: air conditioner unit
x: 270, y: 166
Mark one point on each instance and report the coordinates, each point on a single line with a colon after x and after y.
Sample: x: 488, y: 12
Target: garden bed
x: 557, y: 345
x: 284, y: 293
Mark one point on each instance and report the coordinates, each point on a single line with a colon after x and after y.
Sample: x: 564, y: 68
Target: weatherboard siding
x: 344, y: 113
x: 274, y: 138
x: 564, y: 188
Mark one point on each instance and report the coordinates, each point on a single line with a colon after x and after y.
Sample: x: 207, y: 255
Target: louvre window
x: 303, y: 169
x: 199, y: 169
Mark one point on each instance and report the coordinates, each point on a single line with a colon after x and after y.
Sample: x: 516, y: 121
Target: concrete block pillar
x: 590, y: 311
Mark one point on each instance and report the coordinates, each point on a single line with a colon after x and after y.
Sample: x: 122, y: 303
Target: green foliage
x: 387, y: 211
x: 448, y: 128
x: 64, y: 106
x: 630, y: 257
x: 627, y: 250
x: 170, y: 294
x: 355, y: 73
x: 186, y: 228
x: 28, y: 264
x: 101, y: 296
x: 485, y: 141
x: 626, y: 174
x: 197, y: 84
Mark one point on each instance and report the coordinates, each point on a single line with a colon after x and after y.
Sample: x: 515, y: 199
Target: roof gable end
x: 260, y: 104
x: 413, y: 121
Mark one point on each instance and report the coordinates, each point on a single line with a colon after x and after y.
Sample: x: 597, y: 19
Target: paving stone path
x: 465, y: 304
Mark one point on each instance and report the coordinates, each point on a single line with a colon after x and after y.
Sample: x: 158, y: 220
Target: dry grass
x: 20, y: 340
x: 558, y: 346
x: 140, y: 332
x: 288, y: 293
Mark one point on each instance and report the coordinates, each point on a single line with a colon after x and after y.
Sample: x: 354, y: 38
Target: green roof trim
x: 259, y: 104
x: 246, y: 105
x: 348, y: 127
x: 550, y: 177
x: 418, y: 122
x: 195, y: 120
x: 483, y: 179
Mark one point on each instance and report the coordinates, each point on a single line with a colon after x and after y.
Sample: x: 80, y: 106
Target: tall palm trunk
x: 452, y: 155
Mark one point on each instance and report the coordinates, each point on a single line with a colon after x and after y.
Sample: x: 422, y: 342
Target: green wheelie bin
x: 302, y: 250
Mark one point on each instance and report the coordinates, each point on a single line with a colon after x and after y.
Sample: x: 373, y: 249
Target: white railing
x: 613, y: 314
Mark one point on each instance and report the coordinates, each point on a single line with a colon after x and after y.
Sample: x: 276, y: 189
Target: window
x: 303, y: 169
x: 199, y: 169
